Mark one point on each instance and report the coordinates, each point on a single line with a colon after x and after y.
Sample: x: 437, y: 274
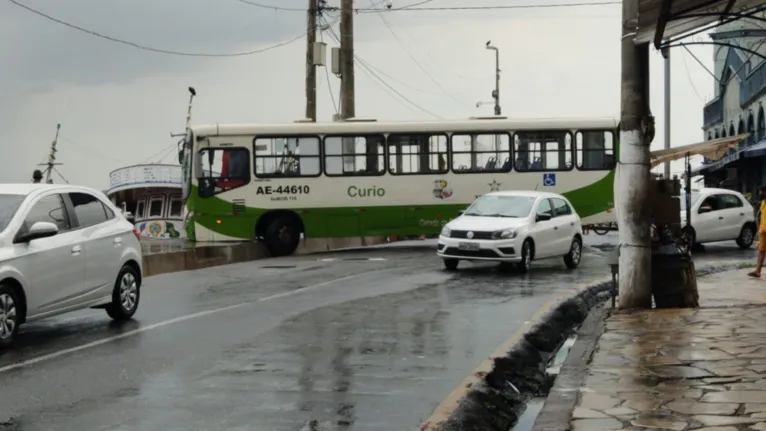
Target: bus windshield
x: 501, y: 206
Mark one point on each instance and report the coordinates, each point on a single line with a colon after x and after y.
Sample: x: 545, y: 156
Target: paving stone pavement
x: 683, y: 369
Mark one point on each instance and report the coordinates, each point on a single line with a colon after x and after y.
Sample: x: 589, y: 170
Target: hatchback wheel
x: 9, y: 315
x: 526, y: 257
x: 572, y: 259
x: 126, y: 294
x: 451, y: 264
x: 746, y: 236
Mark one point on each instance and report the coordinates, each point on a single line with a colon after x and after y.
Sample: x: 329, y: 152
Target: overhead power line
x: 414, y: 7
x: 148, y: 48
x: 378, y: 80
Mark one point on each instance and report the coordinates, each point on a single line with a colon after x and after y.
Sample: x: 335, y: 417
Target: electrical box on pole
x: 319, y: 53
x: 335, y: 60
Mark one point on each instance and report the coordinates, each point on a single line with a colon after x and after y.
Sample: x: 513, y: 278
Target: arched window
x: 761, y: 124
x: 750, y: 129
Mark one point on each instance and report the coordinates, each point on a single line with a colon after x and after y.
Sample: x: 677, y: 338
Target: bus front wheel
x: 282, y: 236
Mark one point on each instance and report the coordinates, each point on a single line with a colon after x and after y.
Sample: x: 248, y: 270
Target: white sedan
x: 513, y: 228
x: 64, y: 248
x: 719, y: 215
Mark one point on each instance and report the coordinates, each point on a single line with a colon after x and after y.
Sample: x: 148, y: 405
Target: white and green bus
x: 354, y: 178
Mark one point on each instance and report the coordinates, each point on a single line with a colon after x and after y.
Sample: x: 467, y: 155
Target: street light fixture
x: 496, y: 93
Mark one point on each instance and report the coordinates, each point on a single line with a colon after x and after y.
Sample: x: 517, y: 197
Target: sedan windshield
x: 9, y: 204
x: 501, y: 206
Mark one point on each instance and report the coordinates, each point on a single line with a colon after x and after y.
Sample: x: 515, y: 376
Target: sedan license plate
x: 469, y: 246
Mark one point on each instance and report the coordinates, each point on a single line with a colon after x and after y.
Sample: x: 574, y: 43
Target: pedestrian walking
x: 761, y: 235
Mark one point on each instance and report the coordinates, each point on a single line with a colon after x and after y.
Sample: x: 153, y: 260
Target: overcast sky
x: 118, y: 104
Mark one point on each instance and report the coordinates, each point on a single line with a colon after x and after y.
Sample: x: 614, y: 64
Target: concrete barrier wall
x: 214, y: 254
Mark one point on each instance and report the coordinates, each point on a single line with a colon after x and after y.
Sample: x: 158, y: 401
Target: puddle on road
x: 535, y: 405
x: 528, y: 418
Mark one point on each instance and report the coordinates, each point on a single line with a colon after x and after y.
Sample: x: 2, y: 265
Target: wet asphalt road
x: 369, y: 340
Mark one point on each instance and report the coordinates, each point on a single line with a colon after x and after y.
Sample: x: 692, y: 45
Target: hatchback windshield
x: 501, y: 206
x: 9, y: 204
x: 695, y: 198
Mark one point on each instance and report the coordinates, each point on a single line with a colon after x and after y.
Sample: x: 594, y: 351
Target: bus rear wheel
x: 282, y: 236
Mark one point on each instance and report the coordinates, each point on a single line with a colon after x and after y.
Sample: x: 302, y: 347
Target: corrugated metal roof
x: 677, y: 17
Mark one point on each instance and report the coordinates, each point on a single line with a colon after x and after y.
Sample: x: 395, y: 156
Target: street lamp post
x: 496, y: 93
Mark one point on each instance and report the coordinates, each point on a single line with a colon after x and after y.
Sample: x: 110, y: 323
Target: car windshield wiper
x: 473, y: 214
x: 502, y: 215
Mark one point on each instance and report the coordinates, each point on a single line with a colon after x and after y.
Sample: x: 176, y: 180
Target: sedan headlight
x: 446, y: 232
x: 505, y: 234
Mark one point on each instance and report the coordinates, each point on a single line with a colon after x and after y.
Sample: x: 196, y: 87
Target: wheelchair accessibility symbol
x: 549, y: 180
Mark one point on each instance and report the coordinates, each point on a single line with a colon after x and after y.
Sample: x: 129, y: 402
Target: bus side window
x: 487, y: 152
x: 286, y: 156
x: 223, y: 169
x: 543, y: 151
x: 421, y: 153
x: 354, y: 155
x: 595, y: 150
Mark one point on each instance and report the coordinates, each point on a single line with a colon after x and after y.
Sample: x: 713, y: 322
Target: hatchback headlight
x: 505, y: 234
x: 446, y: 232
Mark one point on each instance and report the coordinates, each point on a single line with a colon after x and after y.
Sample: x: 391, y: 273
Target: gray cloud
x: 43, y: 53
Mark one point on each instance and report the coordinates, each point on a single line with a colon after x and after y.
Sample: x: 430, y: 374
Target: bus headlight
x: 446, y: 232
x: 505, y: 234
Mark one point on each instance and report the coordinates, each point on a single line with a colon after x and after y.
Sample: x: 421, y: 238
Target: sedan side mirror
x: 542, y: 217
x: 41, y: 229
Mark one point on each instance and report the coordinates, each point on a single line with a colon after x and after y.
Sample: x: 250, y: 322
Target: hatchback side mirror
x: 542, y: 217
x: 704, y: 210
x: 41, y: 229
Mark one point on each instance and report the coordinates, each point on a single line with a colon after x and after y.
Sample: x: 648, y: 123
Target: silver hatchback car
x: 64, y: 248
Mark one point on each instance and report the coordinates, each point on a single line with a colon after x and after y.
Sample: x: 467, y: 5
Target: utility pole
x: 311, y: 71
x: 631, y: 189
x: 347, y: 96
x: 496, y: 93
x: 347, y: 90
x: 666, y: 54
x: 51, y: 158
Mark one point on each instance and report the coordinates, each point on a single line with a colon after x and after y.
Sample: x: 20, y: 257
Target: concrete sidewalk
x: 687, y: 369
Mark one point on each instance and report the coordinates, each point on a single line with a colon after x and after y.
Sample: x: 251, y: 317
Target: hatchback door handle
x: 571, y: 224
x: 741, y: 214
x: 76, y: 249
x: 720, y: 218
x: 555, y: 227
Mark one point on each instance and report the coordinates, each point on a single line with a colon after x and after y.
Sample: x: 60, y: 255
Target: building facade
x: 738, y: 106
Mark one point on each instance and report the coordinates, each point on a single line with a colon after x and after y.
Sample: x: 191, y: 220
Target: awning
x: 756, y: 150
x: 713, y: 150
x: 660, y: 20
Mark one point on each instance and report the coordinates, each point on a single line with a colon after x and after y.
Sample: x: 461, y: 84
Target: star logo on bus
x: 494, y: 186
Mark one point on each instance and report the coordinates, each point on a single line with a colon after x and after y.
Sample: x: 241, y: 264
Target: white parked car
x: 64, y: 248
x: 719, y: 215
x: 513, y: 228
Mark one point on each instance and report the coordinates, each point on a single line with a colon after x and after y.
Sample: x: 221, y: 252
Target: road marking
x: 178, y: 319
x: 445, y: 409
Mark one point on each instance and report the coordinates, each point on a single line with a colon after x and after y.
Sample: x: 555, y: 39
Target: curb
x: 495, y: 395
